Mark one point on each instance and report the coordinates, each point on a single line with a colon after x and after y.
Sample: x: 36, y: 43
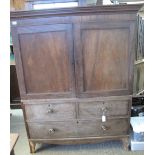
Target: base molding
x: 84, y: 140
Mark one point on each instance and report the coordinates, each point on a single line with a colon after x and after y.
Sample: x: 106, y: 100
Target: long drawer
x: 97, y: 128
x: 50, y: 111
x: 79, y: 129
x: 52, y: 130
x: 90, y: 110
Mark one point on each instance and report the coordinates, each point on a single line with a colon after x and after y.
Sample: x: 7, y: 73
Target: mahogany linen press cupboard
x: 74, y: 67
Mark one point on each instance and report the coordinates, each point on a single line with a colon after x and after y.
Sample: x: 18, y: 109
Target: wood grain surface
x: 83, y: 55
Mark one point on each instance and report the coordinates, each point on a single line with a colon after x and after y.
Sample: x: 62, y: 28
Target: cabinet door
x: 104, y: 62
x: 44, y: 56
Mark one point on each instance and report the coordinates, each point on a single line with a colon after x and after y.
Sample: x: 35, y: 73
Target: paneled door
x: 44, y: 54
x: 104, y: 53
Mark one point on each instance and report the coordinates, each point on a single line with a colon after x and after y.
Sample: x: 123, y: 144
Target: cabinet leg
x: 125, y: 142
x: 32, y: 146
x: 12, y: 152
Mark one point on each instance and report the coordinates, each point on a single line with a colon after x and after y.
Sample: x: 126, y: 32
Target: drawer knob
x: 105, y: 128
x: 50, y: 111
x: 51, y: 131
x: 105, y: 109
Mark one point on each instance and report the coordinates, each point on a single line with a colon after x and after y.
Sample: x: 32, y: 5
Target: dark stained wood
x: 41, y: 53
x: 50, y: 112
x: 105, y: 62
x: 14, y: 89
x: 97, y: 128
x: 78, y: 10
x: 80, y: 129
x: 73, y: 66
x: 26, y: 125
x: 132, y: 49
x: 81, y: 140
x: 74, y: 19
x: 92, y: 110
x: 52, y: 130
x: 82, y: 100
x: 102, y: 54
x: 34, y: 59
x: 12, y: 152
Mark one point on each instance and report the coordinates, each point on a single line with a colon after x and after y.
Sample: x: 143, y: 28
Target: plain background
x: 149, y: 76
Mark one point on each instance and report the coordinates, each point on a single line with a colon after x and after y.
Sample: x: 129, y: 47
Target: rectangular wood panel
x: 104, y: 58
x: 59, y: 130
x: 46, y: 56
x: 81, y: 129
x: 96, y: 109
x: 97, y: 128
x: 50, y: 111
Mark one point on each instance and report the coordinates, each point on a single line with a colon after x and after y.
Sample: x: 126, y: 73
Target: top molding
x: 132, y: 8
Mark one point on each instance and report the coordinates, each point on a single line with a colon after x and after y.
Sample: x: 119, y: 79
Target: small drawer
x: 50, y: 111
x: 52, y: 130
x: 88, y: 110
x: 97, y: 128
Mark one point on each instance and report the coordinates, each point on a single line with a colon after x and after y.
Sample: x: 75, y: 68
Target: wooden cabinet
x: 73, y: 67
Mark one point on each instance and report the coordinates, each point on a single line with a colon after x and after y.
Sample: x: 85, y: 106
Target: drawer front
x: 50, y: 112
x: 98, y: 128
x: 52, y: 130
x: 89, y: 110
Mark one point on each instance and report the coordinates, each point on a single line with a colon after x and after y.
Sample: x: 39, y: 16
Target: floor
x: 22, y: 147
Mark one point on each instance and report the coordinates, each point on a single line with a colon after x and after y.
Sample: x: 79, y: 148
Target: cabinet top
x: 123, y: 8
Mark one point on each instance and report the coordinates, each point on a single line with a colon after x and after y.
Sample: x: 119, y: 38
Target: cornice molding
x: 76, y: 11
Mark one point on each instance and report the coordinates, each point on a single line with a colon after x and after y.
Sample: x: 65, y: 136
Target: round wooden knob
x: 51, y: 131
x: 50, y: 111
x: 105, y: 128
x: 105, y: 109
